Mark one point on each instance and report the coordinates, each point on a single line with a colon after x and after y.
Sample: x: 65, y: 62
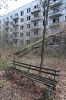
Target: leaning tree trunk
x: 37, y: 42
x: 28, y: 47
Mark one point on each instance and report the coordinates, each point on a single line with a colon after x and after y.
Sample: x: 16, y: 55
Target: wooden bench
x: 24, y: 70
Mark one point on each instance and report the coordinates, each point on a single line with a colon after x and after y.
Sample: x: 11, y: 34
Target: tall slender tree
x: 45, y: 5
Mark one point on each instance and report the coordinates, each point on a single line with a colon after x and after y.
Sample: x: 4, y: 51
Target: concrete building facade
x: 57, y: 14
x: 57, y: 11
x: 25, y: 24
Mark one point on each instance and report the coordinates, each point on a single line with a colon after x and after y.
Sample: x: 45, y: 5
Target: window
x: 28, y: 18
x: 36, y: 23
x: 7, y: 18
x: 22, y: 20
x: 65, y: 6
x: 43, y: 13
x: 22, y: 27
x: 7, y: 30
x: 21, y: 42
x: 11, y: 23
x: 3, y: 26
x: 22, y: 13
x: 36, y: 32
x: 36, y: 15
x: 16, y: 21
x: 11, y: 36
x: 27, y: 42
x: 11, y: 29
x: 7, y: 24
x: 21, y: 34
x: 16, y: 35
x: 0, y: 27
x: 43, y: 23
x: 56, y: 20
x: 16, y: 14
x: 0, y: 21
x: 56, y: 10
x: 36, y: 6
x: 3, y: 20
x: 28, y: 33
x: 54, y: 0
x: 65, y: 18
x: 28, y: 10
x: 11, y: 16
x: 28, y: 25
x: 16, y: 41
x: 0, y: 37
x: 15, y: 28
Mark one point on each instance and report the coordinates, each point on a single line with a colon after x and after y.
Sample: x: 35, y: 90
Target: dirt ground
x: 11, y: 89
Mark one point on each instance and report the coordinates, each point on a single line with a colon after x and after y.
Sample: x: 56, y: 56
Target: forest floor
x: 10, y: 88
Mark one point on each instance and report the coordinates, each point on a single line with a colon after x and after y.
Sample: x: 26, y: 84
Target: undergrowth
x: 45, y: 95
x: 1, y: 83
x: 3, y: 65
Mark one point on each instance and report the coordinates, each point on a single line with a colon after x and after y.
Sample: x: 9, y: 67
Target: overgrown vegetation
x: 1, y: 83
x: 3, y: 65
x: 45, y: 95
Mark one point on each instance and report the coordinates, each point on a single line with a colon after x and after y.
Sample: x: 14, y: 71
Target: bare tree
x: 45, y: 4
x: 4, y: 4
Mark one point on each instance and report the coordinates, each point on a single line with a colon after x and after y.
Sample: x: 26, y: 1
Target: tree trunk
x: 43, y: 41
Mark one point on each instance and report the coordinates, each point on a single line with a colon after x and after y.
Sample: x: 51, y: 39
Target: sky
x: 12, y: 5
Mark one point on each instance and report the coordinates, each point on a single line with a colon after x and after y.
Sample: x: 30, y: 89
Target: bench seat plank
x: 49, y: 82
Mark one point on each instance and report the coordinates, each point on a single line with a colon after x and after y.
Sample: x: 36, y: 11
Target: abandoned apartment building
x: 25, y: 25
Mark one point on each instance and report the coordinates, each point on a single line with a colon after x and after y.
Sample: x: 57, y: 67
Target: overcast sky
x: 12, y: 5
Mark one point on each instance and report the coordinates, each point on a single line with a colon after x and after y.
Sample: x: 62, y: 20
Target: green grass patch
x: 3, y: 65
x: 1, y: 83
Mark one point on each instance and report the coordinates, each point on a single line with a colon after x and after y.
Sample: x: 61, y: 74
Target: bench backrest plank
x: 36, y: 68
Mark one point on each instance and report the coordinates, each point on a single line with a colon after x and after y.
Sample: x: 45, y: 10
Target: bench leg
x: 7, y: 72
x: 33, y: 83
x: 48, y: 92
x: 22, y: 81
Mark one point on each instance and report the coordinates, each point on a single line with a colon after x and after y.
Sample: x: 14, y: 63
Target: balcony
x: 35, y: 27
x: 35, y: 36
x: 15, y: 24
x: 16, y: 31
x: 55, y: 14
x: 15, y: 17
x: 15, y: 37
x: 6, y: 26
x: 35, y: 18
x: 54, y: 24
x: 6, y: 21
x: 35, y: 10
x: 55, y: 4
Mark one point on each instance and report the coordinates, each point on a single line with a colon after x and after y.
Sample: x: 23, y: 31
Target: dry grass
x: 32, y: 58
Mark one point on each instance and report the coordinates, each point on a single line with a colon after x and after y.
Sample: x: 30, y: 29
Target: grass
x: 3, y: 65
x: 45, y: 95
x: 23, y: 60
x: 1, y: 83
